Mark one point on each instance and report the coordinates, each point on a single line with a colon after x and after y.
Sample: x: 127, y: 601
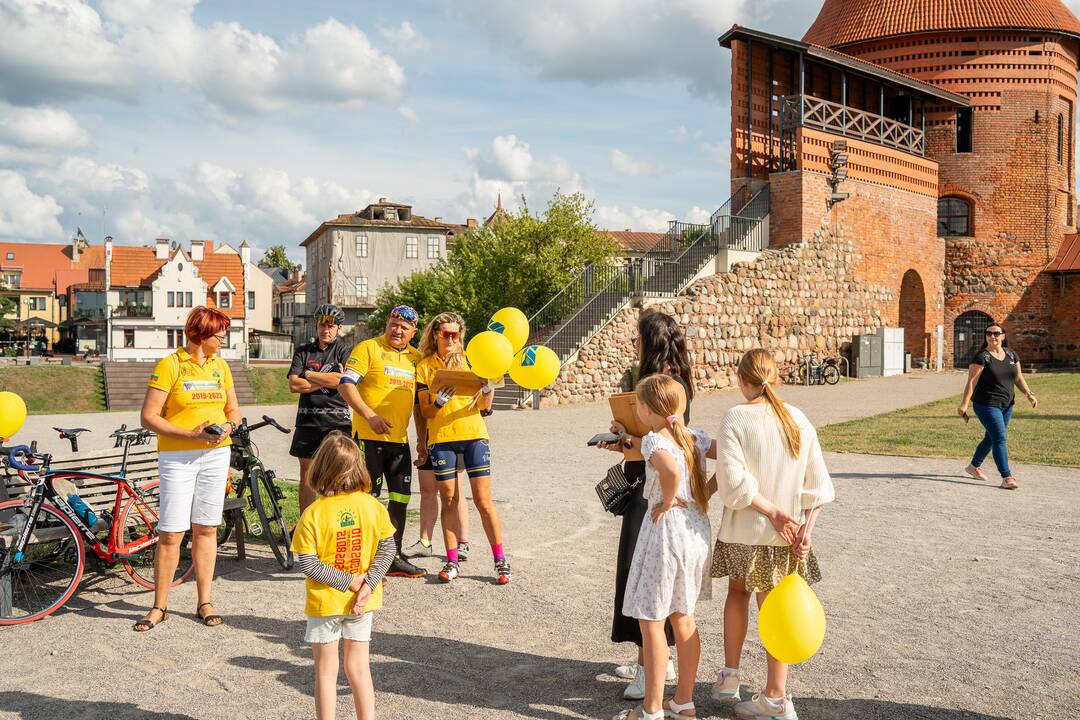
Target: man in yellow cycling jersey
x: 379, y: 384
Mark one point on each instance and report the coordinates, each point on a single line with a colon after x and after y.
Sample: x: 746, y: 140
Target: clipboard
x: 465, y: 382
x: 624, y: 410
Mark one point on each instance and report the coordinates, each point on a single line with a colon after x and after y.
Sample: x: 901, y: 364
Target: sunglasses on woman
x: 994, y: 333
x: 449, y: 334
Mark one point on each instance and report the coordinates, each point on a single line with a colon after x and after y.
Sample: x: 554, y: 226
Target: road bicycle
x: 263, y: 516
x: 824, y: 372
x: 44, y: 538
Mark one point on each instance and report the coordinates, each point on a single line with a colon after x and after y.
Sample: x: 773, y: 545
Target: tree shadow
x: 31, y: 706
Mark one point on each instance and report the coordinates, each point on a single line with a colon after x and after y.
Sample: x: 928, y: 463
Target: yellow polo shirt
x: 456, y: 420
x: 386, y: 379
x: 343, y: 531
x: 196, y: 394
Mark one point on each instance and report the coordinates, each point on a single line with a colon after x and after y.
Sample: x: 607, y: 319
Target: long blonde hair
x: 338, y: 466
x: 666, y: 397
x: 430, y: 346
x: 758, y: 369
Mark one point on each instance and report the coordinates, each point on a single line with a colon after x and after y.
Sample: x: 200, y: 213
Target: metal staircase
x: 592, y: 299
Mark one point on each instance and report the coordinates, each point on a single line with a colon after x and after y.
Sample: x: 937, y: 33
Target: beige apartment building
x: 353, y: 256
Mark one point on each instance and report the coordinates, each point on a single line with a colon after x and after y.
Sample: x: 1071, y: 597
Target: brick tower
x: 1006, y: 185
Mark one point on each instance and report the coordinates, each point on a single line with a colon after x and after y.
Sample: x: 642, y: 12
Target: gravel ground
x: 946, y: 598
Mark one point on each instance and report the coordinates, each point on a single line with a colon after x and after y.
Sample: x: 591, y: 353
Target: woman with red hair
x: 191, y: 405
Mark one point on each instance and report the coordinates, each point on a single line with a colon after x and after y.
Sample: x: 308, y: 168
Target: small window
x: 432, y: 248
x: 170, y: 301
x: 224, y: 300
x: 964, y: 130
x: 129, y: 338
x: 187, y: 299
x: 180, y: 338
x: 361, y: 246
x: 411, y: 248
x: 251, y: 299
x: 954, y: 217
x: 10, y: 256
x: 170, y: 339
x: 1061, y: 139
x: 361, y: 286
x: 37, y: 303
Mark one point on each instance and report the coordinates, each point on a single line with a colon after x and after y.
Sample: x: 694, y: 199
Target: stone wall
x: 792, y: 299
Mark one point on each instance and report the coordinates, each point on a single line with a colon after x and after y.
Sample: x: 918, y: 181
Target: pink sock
x: 451, y: 555
x: 497, y: 551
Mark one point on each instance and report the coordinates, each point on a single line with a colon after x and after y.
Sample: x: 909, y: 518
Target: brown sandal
x: 208, y: 620
x: 146, y: 624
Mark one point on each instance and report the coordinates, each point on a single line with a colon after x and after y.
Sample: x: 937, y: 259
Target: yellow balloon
x: 791, y: 621
x: 12, y: 413
x: 512, y: 323
x: 535, y: 367
x: 489, y: 355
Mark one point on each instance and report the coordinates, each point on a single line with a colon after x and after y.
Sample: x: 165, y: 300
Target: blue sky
x: 235, y: 120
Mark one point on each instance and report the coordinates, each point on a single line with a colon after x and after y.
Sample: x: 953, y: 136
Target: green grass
x: 56, y: 388
x: 271, y: 385
x: 1047, y: 435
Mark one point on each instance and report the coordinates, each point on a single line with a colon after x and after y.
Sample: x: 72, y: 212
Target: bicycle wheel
x: 138, y: 519
x: 831, y: 374
x: 228, y: 524
x: 274, y: 530
x: 49, y: 571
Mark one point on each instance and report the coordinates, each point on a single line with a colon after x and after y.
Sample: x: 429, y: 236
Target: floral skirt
x: 761, y: 567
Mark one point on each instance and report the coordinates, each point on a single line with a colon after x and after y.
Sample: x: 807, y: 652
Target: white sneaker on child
x: 726, y: 687
x: 767, y: 708
x: 627, y: 672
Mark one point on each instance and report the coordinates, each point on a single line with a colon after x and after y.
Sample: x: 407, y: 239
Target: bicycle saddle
x: 68, y: 433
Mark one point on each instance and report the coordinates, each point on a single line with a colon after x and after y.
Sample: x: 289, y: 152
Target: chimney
x: 383, y: 201
x: 108, y: 262
x: 161, y: 248
x: 197, y: 250
x: 438, y: 219
x: 245, y: 254
x: 470, y: 224
x: 208, y: 247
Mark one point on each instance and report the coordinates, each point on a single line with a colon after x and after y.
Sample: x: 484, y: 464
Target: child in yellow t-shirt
x: 344, y: 543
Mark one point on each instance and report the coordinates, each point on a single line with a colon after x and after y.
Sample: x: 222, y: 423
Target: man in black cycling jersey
x: 315, y: 374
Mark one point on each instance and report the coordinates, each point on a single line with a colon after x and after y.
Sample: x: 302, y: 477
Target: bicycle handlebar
x: 266, y: 420
x: 19, y: 450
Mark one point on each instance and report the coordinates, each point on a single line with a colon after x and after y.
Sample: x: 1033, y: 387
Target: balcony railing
x: 90, y: 313
x: 807, y: 111
x: 133, y: 311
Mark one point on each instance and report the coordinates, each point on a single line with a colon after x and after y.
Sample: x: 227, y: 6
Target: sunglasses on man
x: 326, y: 320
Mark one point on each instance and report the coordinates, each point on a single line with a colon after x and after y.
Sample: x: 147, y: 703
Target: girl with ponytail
x: 773, y: 482
x: 670, y: 569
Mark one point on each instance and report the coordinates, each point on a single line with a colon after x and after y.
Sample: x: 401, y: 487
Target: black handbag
x: 614, y: 490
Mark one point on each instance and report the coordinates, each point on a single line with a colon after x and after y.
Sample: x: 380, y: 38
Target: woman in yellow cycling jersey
x: 455, y: 425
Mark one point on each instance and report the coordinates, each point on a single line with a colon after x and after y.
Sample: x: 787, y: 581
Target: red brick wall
x: 1065, y: 330
x: 1024, y: 200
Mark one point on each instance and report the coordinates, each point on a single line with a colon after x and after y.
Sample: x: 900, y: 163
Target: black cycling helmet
x: 329, y: 310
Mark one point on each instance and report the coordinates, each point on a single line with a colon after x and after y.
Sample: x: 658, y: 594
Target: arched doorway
x: 913, y: 317
x: 968, y: 333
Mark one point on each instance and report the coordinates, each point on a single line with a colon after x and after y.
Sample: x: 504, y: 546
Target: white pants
x: 192, y: 487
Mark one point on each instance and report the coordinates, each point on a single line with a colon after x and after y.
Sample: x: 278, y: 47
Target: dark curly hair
x: 662, y: 349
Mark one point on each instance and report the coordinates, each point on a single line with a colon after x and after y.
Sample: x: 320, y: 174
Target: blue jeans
x: 995, y: 420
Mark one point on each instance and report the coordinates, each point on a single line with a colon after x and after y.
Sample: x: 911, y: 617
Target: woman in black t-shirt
x: 989, y: 391
x: 661, y: 348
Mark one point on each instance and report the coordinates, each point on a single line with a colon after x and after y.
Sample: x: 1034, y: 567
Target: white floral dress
x: 670, y: 570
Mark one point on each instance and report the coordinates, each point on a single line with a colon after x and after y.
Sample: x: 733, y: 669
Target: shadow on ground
x: 31, y: 706
x: 991, y: 484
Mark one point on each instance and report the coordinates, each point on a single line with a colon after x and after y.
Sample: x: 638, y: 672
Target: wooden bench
x: 100, y: 495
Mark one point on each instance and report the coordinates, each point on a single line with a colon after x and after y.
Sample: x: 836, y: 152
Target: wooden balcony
x: 808, y: 111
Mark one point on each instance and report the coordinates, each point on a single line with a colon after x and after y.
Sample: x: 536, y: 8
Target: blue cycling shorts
x: 477, y: 455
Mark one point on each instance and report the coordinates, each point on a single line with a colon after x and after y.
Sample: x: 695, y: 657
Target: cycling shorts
x: 389, y: 461
x: 477, y: 455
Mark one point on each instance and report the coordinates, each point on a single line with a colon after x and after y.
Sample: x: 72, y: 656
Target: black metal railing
x: 133, y: 311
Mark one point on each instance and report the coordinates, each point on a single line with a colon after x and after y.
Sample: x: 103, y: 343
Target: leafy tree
x: 276, y: 257
x: 520, y: 261
x: 7, y: 307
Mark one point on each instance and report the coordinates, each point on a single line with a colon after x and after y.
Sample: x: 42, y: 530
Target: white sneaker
x: 726, y: 687
x: 418, y: 549
x: 764, y: 708
x: 627, y: 672
x: 636, y: 689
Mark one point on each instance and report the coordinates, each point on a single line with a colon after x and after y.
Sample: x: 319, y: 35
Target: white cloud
x: 508, y: 167
x: 39, y: 127
x: 60, y: 49
x: 25, y: 215
x: 637, y: 218
x: 698, y: 216
x: 626, y: 165
x: 720, y: 152
x: 405, y: 37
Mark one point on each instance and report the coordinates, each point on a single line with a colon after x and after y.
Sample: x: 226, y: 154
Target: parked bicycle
x: 823, y: 372
x: 263, y: 517
x: 44, y: 536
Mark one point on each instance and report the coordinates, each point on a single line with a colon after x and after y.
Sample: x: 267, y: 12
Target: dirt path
x: 946, y: 598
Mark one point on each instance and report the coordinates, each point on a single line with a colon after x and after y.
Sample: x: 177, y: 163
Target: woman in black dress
x: 989, y: 390
x: 661, y: 348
